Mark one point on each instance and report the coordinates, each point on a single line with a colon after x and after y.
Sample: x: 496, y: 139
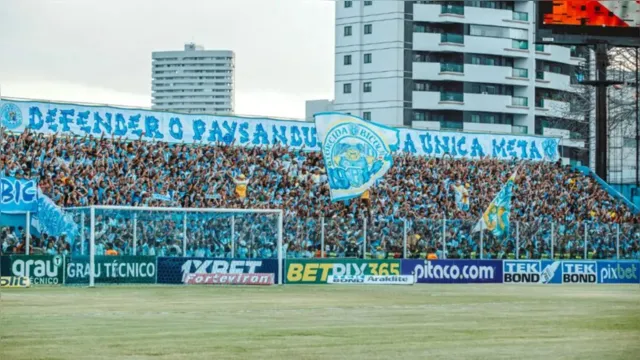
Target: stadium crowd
x: 550, y: 201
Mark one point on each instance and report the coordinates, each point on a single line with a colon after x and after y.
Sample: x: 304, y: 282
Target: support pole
x: 618, y: 242
x: 517, y: 240
x: 233, y: 236
x: 444, y: 237
x: 184, y: 235
x: 601, y: 111
x: 82, y: 234
x: 92, y: 246
x: 364, y: 243
x: 322, y: 255
x: 27, y: 234
x: 553, y: 237
x: 135, y: 234
x: 481, y: 244
x: 637, y: 124
x: 280, y: 258
x: 586, y: 236
x: 404, y: 239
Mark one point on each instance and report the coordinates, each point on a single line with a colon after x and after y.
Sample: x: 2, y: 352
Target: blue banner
x: 532, y: 272
x: 18, y: 195
x: 356, y: 153
x: 174, y: 270
x: 50, y: 118
x: 619, y: 272
x: 454, y: 271
x: 550, y: 272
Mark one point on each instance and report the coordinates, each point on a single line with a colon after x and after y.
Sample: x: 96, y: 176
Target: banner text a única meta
x: 317, y: 271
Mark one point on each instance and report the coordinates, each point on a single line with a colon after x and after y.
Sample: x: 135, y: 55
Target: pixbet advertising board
x: 215, y: 271
x: 454, y: 271
x: 619, y: 272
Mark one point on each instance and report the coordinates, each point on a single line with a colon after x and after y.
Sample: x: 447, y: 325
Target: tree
x: 575, y: 107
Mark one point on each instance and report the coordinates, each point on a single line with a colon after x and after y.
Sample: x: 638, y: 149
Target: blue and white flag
x: 18, y: 196
x: 462, y: 196
x: 496, y: 217
x: 356, y: 152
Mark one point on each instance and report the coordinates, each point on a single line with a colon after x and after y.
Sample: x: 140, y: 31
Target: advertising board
x: 579, y: 22
x: 454, y: 271
x: 176, y: 270
x: 317, y: 271
x: 14, y: 282
x: 619, y: 272
x: 40, y: 269
x: 229, y: 279
x: 112, y: 269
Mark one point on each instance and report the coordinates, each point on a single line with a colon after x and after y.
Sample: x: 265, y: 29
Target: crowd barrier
x: 74, y: 270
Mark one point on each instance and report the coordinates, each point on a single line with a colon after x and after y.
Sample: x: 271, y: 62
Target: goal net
x: 149, y: 245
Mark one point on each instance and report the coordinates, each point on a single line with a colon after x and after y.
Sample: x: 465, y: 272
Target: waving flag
x: 356, y: 152
x: 462, y: 196
x: 496, y: 217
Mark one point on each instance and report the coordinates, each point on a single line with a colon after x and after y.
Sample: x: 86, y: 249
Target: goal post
x: 127, y: 244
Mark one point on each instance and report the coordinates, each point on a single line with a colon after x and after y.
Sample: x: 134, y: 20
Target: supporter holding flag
x: 241, y: 183
x: 496, y: 217
x: 462, y: 196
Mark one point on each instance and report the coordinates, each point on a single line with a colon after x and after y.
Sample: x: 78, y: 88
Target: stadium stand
x: 550, y: 201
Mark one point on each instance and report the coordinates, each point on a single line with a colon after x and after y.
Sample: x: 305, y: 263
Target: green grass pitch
x: 321, y: 322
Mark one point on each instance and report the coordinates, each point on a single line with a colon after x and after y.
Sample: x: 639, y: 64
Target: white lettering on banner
x: 50, y: 118
x: 113, y: 269
x: 349, y: 269
x: 453, y: 272
x: 36, y: 268
x: 229, y: 279
x: 219, y: 266
x: 371, y: 279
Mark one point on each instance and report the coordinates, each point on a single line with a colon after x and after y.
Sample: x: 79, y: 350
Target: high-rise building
x: 456, y: 65
x: 194, y: 80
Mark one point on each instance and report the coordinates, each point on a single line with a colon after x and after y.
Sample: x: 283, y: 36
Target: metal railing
x: 452, y: 9
x: 452, y: 38
x: 451, y: 96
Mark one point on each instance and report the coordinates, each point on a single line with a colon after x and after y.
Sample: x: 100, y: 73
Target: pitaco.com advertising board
x: 317, y: 271
x: 453, y: 271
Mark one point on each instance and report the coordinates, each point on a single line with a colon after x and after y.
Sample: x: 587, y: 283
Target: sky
x: 100, y: 51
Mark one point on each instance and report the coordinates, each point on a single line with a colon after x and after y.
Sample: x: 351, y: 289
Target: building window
x: 367, y: 58
x: 347, y: 59
x: 475, y: 118
x: 368, y: 3
x: 347, y: 31
x: 348, y: 4
x: 368, y: 29
x: 346, y: 88
x: 366, y: 86
x: 366, y: 115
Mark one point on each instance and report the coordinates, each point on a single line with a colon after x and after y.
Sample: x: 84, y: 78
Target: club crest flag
x: 357, y: 153
x: 496, y: 217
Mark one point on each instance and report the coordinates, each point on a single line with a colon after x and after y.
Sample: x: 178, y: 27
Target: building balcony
x: 459, y: 14
x: 448, y: 38
x: 451, y: 68
x: 555, y: 53
x: 549, y: 80
x: 434, y: 42
x: 448, y: 9
x: 552, y: 108
x: 452, y: 97
x: 470, y: 73
x: 520, y: 73
x: 520, y: 16
x: 433, y: 100
x: 520, y: 101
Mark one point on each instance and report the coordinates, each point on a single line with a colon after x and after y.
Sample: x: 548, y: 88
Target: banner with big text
x: 453, y: 271
x: 317, y: 271
x: 78, y: 119
x: 18, y: 195
x: 178, y: 270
